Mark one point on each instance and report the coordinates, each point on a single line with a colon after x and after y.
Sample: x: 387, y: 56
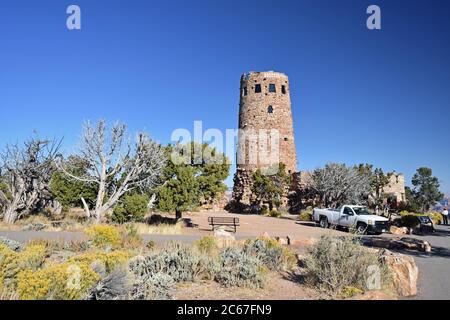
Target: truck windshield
x: 362, y: 211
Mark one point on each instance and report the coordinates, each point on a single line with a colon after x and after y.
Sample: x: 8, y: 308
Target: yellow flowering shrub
x: 110, y: 259
x: 104, y: 236
x: 11, y: 262
x: 8, y: 263
x: 67, y: 281
x: 32, y: 257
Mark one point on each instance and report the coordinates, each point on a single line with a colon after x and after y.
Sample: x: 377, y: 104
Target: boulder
x: 399, y: 231
x: 404, y: 272
x: 416, y: 244
x: 397, y: 243
x: 301, y: 242
x: 224, y: 238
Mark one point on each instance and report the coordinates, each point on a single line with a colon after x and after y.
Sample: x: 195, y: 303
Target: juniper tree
x: 194, y: 175
x: 180, y: 191
x: 378, y: 182
x: 270, y: 185
x: 69, y: 191
x: 426, y: 188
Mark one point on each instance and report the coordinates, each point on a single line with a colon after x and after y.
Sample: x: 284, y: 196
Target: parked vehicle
x: 358, y: 218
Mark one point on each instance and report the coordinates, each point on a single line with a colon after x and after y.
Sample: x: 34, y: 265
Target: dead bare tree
x: 25, y: 174
x: 115, y: 164
x: 337, y: 184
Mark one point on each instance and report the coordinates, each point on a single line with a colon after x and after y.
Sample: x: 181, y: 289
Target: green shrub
x: 349, y: 292
x: 52, y: 246
x: 35, y: 226
x: 269, y: 213
x: 178, y: 261
x: 11, y: 244
x: 151, y: 245
x: 271, y: 254
x: 4, y: 188
x: 157, y: 286
x: 334, y: 264
x: 404, y: 213
x: 264, y: 210
x: 409, y: 220
x: 238, y: 268
x: 274, y: 214
x: 207, y: 245
x: 306, y: 215
x: 132, y: 207
x: 115, y: 285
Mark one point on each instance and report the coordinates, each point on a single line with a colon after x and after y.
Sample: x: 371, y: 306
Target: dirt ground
x: 256, y: 225
x: 278, y: 287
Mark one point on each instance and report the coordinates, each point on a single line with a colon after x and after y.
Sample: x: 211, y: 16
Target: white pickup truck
x: 351, y: 217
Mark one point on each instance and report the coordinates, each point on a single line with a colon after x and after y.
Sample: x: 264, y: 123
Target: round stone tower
x: 266, y: 134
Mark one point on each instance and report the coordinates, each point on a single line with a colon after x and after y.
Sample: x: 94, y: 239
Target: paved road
x: 434, y: 268
x: 26, y: 236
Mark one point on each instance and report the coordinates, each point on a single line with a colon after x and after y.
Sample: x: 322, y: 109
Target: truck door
x: 346, y: 218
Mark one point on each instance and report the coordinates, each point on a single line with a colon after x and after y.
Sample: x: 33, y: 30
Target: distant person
x: 445, y: 215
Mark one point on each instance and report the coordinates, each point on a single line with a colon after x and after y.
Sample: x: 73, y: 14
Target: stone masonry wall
x: 396, y: 187
x: 264, y: 116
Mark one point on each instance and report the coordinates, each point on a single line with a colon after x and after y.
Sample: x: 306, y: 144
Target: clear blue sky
x: 381, y: 97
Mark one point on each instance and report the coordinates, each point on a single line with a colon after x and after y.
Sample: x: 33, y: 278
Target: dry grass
x: 20, y: 224
x: 163, y: 228
x: 72, y: 222
x: 8, y: 295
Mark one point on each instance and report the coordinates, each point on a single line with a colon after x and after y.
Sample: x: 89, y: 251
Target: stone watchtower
x: 266, y: 134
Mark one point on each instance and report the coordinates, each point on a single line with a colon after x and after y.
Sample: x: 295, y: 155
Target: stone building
x: 266, y: 132
x: 396, y: 187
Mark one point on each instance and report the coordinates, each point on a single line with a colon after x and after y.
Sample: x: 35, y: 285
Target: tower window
x: 270, y: 109
x: 283, y: 89
x: 286, y: 139
x: 257, y: 88
x: 245, y: 91
x: 272, y: 88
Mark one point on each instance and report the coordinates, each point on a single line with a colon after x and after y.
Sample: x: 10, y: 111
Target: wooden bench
x: 223, y: 221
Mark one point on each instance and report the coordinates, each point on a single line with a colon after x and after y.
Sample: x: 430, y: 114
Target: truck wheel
x: 323, y: 223
x: 361, y: 228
